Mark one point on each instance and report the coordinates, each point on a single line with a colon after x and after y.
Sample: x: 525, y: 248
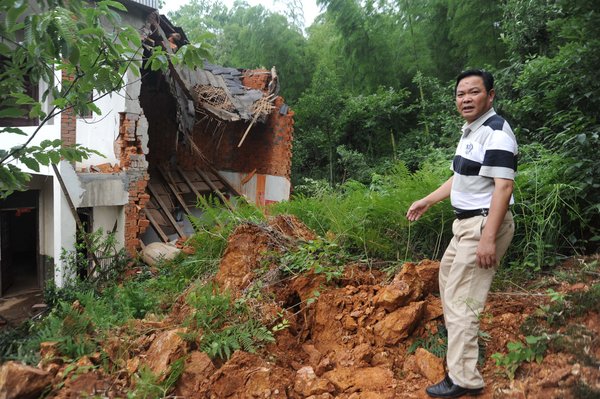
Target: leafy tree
x: 87, y: 42
x: 315, y: 136
x: 525, y: 27
x: 370, y: 42
x: 259, y: 38
x: 446, y: 62
x: 475, y: 31
x: 252, y: 37
x: 372, y: 123
x: 557, y: 98
x: 202, y: 21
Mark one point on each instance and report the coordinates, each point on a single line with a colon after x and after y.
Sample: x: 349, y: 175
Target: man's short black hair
x: 488, y: 79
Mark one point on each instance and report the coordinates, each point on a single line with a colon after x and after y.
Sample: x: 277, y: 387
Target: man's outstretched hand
x: 417, y: 209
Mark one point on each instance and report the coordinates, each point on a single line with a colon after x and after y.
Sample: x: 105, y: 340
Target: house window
x: 31, y: 89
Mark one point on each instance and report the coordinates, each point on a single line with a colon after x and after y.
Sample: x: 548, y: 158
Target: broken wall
x: 133, y: 133
x: 267, y: 146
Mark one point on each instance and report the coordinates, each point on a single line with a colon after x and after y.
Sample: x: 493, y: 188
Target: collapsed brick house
x: 167, y: 138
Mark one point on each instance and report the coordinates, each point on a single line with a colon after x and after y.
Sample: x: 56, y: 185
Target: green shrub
x: 318, y: 256
x: 532, y: 350
x: 149, y: 386
x: 436, y: 344
x: 370, y: 220
x: 220, y: 325
x: 545, y: 211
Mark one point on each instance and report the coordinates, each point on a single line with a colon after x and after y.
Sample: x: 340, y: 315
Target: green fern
x: 211, y: 306
x: 248, y: 336
x: 146, y: 385
x: 436, y: 344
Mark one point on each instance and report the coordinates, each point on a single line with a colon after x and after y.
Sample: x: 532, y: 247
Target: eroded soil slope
x: 362, y: 335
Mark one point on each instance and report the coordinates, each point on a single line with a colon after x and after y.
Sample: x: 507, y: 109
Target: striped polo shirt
x: 486, y: 150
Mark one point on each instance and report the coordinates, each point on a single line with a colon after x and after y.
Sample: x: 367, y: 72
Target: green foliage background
x: 371, y: 84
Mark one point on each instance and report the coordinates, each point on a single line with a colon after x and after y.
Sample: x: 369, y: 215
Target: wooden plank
x: 247, y: 178
x: 166, y: 210
x: 183, y: 188
x: 156, y: 227
x: 213, y: 187
x: 167, y: 177
x: 261, y: 181
x: 189, y: 183
x: 225, y: 181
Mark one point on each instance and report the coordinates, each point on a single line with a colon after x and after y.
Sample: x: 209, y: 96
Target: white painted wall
x: 101, y: 131
x: 248, y: 190
x: 49, y: 131
x: 46, y: 222
x: 277, y: 188
x: 64, y: 222
x: 105, y: 217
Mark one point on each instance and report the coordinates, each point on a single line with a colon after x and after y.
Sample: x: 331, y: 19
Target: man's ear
x: 492, y: 95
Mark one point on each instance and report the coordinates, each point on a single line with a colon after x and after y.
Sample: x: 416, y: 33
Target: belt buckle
x: 484, y: 212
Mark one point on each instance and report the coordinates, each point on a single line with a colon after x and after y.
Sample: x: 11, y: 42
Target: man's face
x: 472, y: 99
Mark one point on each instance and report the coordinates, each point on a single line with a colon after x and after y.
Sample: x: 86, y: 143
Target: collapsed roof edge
x: 213, y: 89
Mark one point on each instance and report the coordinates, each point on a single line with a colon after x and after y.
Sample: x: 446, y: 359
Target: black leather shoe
x: 448, y: 389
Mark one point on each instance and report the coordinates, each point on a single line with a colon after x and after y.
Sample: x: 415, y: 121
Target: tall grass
x: 546, y: 211
x: 370, y: 219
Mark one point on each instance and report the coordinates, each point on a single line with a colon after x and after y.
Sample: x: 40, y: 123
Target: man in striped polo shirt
x: 480, y: 192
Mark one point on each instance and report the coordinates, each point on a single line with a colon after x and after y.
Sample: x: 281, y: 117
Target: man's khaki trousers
x: 464, y: 288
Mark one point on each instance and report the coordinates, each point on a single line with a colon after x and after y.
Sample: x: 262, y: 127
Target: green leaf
x: 42, y: 158
x: 13, y: 14
x: 12, y: 113
x: 5, y: 50
x: 54, y: 156
x: 114, y: 4
x: 60, y: 102
x: 91, y: 31
x: 74, y: 56
x: 36, y: 111
x: 94, y: 108
x: 23, y: 99
x: 531, y: 339
x: 31, y: 163
x: 13, y: 130
x: 18, y: 26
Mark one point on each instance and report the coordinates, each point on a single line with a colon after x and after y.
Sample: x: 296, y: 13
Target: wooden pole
x: 86, y: 238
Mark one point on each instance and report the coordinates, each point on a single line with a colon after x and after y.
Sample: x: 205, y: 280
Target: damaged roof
x: 221, y: 92
x: 212, y: 90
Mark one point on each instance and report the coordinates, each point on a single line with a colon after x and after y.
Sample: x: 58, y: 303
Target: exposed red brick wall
x: 256, y: 79
x: 68, y: 120
x: 133, y: 161
x: 267, y: 147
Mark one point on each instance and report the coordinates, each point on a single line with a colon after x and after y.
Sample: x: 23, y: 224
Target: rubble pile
x: 354, y: 340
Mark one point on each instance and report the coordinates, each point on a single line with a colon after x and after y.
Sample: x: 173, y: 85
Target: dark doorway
x: 86, y: 216
x: 19, y: 269
x: 18, y: 235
